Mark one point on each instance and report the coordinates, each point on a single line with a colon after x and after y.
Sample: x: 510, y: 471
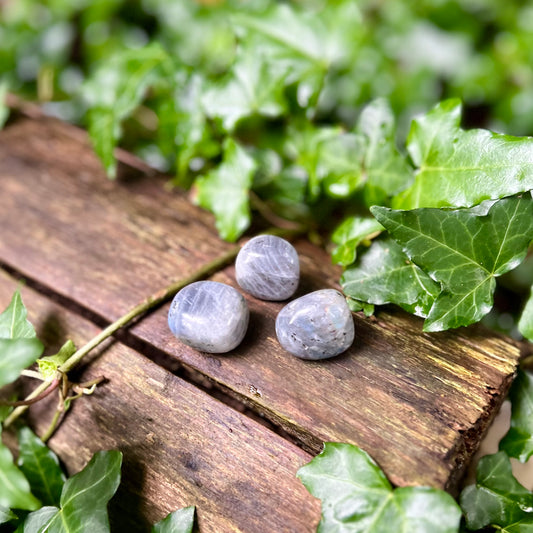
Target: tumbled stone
x: 268, y: 268
x: 316, y: 326
x: 209, y: 316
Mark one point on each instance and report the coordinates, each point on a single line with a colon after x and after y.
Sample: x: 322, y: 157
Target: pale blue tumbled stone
x: 268, y: 268
x: 209, y: 316
x: 316, y: 326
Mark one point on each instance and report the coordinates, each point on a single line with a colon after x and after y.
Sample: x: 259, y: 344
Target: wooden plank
x: 181, y: 447
x: 418, y: 402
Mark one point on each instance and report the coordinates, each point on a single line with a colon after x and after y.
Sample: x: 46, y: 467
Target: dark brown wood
x: 419, y: 403
x: 181, y: 447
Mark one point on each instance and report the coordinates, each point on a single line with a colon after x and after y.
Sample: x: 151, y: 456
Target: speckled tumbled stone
x: 209, y: 316
x: 316, y: 326
x: 268, y: 268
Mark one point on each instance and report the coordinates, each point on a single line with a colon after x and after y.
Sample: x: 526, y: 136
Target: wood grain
x: 418, y: 402
x: 181, y: 447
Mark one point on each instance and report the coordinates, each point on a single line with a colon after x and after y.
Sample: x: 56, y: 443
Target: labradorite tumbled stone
x: 209, y: 316
x: 268, y: 268
x: 316, y: 326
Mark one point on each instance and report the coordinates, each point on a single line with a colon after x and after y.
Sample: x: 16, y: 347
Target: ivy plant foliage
x: 4, y: 110
x: 225, y: 190
x: 464, y: 251
x: 497, y: 499
x: 83, y: 501
x: 385, y: 274
x: 15, y: 492
x: 180, y: 521
x: 357, y: 497
x: 116, y: 90
x: 525, y: 324
x: 19, y: 346
x: 458, y: 168
x: 6, y: 515
x: 41, y: 467
x: 349, y: 235
x: 518, y: 442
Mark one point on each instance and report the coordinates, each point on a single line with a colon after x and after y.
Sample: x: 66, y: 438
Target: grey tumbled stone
x: 209, y: 316
x: 268, y: 268
x: 316, y: 326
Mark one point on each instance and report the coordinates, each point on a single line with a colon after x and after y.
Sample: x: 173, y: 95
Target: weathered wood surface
x: 419, y: 403
x: 181, y: 447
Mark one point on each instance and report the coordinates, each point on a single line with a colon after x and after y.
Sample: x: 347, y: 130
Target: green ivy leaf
x: 180, y: 521
x: 84, y: 498
x: 387, y: 171
x: 497, y: 499
x: 461, y: 168
x: 14, y: 487
x: 463, y: 251
x: 38, y: 521
x: 303, y: 146
x: 6, y: 515
x: 357, y: 497
x: 525, y: 324
x: 4, y: 110
x: 224, y: 191
x: 253, y: 87
x: 41, y: 467
x: 349, y: 235
x: 15, y: 356
x: 19, y: 348
x: 183, y: 125
x: 13, y: 321
x: 48, y: 366
x: 518, y: 442
x: 339, y: 164
x: 358, y: 305
x: 384, y: 274
x: 116, y: 89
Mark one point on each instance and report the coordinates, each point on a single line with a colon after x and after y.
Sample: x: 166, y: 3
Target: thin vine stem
x: 147, y: 305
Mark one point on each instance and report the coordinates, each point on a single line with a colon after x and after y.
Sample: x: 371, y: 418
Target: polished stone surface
x: 316, y: 326
x: 209, y: 316
x: 268, y: 268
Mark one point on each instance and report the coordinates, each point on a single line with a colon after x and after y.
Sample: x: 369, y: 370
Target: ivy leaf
x: 339, y: 164
x: 84, y: 498
x: 49, y: 365
x: 463, y: 251
x: 19, y: 347
x: 180, y: 521
x: 116, y: 90
x: 13, y: 321
x: 525, y: 324
x: 183, y: 124
x: 357, y: 497
x: 15, y: 356
x: 387, y: 171
x: 497, y: 499
x: 14, y: 487
x: 4, y: 109
x: 349, y: 235
x: 253, y: 87
x: 224, y: 191
x: 384, y: 274
x: 303, y: 145
x: 358, y: 305
x: 41, y: 467
x: 6, y: 515
x: 518, y: 442
x: 460, y: 168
